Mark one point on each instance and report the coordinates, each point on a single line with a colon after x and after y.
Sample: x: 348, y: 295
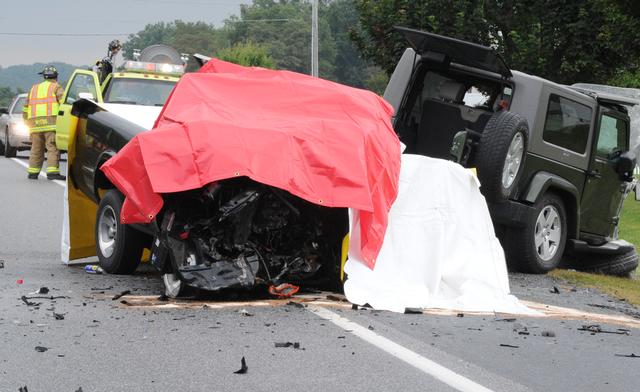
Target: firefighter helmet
x: 49, y: 72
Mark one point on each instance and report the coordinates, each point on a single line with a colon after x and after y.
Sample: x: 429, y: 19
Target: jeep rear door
x: 447, y: 49
x: 603, y: 188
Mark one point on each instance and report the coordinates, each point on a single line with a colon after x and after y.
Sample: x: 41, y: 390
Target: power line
x: 66, y: 34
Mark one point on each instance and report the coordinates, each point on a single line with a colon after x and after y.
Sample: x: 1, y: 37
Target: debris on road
x: 595, y: 328
x: 296, y: 304
x: 506, y: 320
x: 632, y: 355
x: 628, y: 312
x: 548, y: 334
x: 41, y: 290
x: 1, y: 263
x: 508, y: 345
x: 295, y: 345
x: 93, y: 269
x: 101, y: 289
x: 283, y: 290
x: 41, y: 349
x: 245, y: 312
x: 243, y: 368
x: 122, y: 294
x: 27, y: 302
x: 58, y: 316
x: 20, y: 281
x: 23, y: 389
x: 555, y: 290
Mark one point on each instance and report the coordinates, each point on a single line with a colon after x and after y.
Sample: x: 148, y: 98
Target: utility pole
x: 314, y: 38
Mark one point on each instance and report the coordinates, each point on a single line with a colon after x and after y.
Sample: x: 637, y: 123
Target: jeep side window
x: 81, y: 83
x: 612, y: 136
x: 567, y: 124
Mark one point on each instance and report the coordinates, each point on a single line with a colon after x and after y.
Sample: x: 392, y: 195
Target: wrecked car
x: 224, y: 199
x: 554, y: 161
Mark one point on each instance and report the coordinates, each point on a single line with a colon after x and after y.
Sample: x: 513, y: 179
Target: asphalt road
x: 104, y: 345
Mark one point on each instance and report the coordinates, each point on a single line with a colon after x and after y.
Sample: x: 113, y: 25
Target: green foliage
x: 6, y: 95
x: 247, y: 54
x: 562, y: 40
x: 24, y: 76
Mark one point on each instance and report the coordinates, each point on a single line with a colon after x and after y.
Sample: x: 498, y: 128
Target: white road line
x: 433, y: 369
x: 26, y: 165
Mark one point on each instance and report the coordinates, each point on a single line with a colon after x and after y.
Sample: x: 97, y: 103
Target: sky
x: 77, y: 32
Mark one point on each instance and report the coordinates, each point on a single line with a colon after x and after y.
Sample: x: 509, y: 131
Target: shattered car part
x: 236, y: 234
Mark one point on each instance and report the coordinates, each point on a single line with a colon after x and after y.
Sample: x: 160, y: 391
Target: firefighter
x: 40, y: 114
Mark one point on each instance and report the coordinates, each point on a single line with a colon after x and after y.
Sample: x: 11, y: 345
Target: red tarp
x: 327, y: 143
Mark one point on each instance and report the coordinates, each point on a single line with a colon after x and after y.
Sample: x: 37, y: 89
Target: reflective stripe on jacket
x: 42, y: 107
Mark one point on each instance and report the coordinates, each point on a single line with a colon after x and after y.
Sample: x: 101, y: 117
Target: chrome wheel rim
x: 548, y: 233
x: 172, y: 285
x: 107, y: 231
x: 513, y: 160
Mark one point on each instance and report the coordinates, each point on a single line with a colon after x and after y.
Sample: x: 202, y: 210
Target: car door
x: 81, y: 81
x: 604, y: 189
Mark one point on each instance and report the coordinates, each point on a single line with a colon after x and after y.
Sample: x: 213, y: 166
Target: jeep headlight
x: 21, y: 128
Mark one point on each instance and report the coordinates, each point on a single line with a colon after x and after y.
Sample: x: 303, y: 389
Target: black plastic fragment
x: 460, y: 315
x: 41, y: 349
x: 42, y: 290
x: 23, y: 389
x: 595, y: 328
x: 2, y: 266
x: 632, y: 355
x: 296, y: 304
x: 508, y: 345
x: 555, y: 290
x: 295, y: 345
x: 122, y: 294
x: 58, y: 316
x: 548, y: 334
x: 243, y: 368
x: 27, y: 302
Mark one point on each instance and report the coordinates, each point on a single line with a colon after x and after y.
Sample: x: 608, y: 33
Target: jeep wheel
x: 9, y: 150
x: 119, y: 247
x: 617, y: 265
x: 538, y: 247
x: 500, y: 155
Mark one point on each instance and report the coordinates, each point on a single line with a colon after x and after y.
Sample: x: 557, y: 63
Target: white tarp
x: 440, y: 249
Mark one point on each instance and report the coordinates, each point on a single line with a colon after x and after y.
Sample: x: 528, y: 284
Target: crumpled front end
x: 240, y: 234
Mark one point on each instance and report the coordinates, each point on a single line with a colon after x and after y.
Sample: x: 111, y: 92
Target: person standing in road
x: 40, y: 116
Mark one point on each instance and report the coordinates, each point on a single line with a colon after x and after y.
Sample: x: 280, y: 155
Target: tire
x: 500, y: 156
x: 617, y: 265
x: 9, y: 150
x: 119, y: 247
x: 538, y: 247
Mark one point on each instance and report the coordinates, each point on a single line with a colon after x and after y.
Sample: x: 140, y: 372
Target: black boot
x: 55, y: 176
x: 32, y: 176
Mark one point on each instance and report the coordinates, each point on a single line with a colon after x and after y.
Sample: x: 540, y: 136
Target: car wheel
x: 9, y: 150
x: 618, y: 265
x: 538, y: 247
x: 500, y: 156
x: 119, y: 247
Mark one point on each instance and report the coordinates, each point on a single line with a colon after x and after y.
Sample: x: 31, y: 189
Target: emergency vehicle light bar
x: 141, y: 66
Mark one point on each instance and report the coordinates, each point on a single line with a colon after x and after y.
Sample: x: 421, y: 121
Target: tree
x: 562, y: 40
x: 247, y: 54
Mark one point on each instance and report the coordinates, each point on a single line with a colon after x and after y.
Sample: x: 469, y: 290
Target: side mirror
x: 624, y: 165
x: 88, y: 96
x: 4, y: 110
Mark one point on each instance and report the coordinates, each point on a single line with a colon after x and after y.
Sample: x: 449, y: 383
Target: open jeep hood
x: 458, y: 51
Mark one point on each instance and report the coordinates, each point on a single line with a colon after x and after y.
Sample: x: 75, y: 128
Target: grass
x: 623, y: 288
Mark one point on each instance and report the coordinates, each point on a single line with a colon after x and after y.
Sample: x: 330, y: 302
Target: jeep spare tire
x: 500, y: 156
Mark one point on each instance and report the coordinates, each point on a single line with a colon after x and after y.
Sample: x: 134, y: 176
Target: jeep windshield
x: 147, y: 92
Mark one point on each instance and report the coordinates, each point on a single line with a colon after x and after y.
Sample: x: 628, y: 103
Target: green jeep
x: 553, y: 161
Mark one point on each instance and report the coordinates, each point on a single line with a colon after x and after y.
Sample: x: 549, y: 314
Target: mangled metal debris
x: 238, y: 234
